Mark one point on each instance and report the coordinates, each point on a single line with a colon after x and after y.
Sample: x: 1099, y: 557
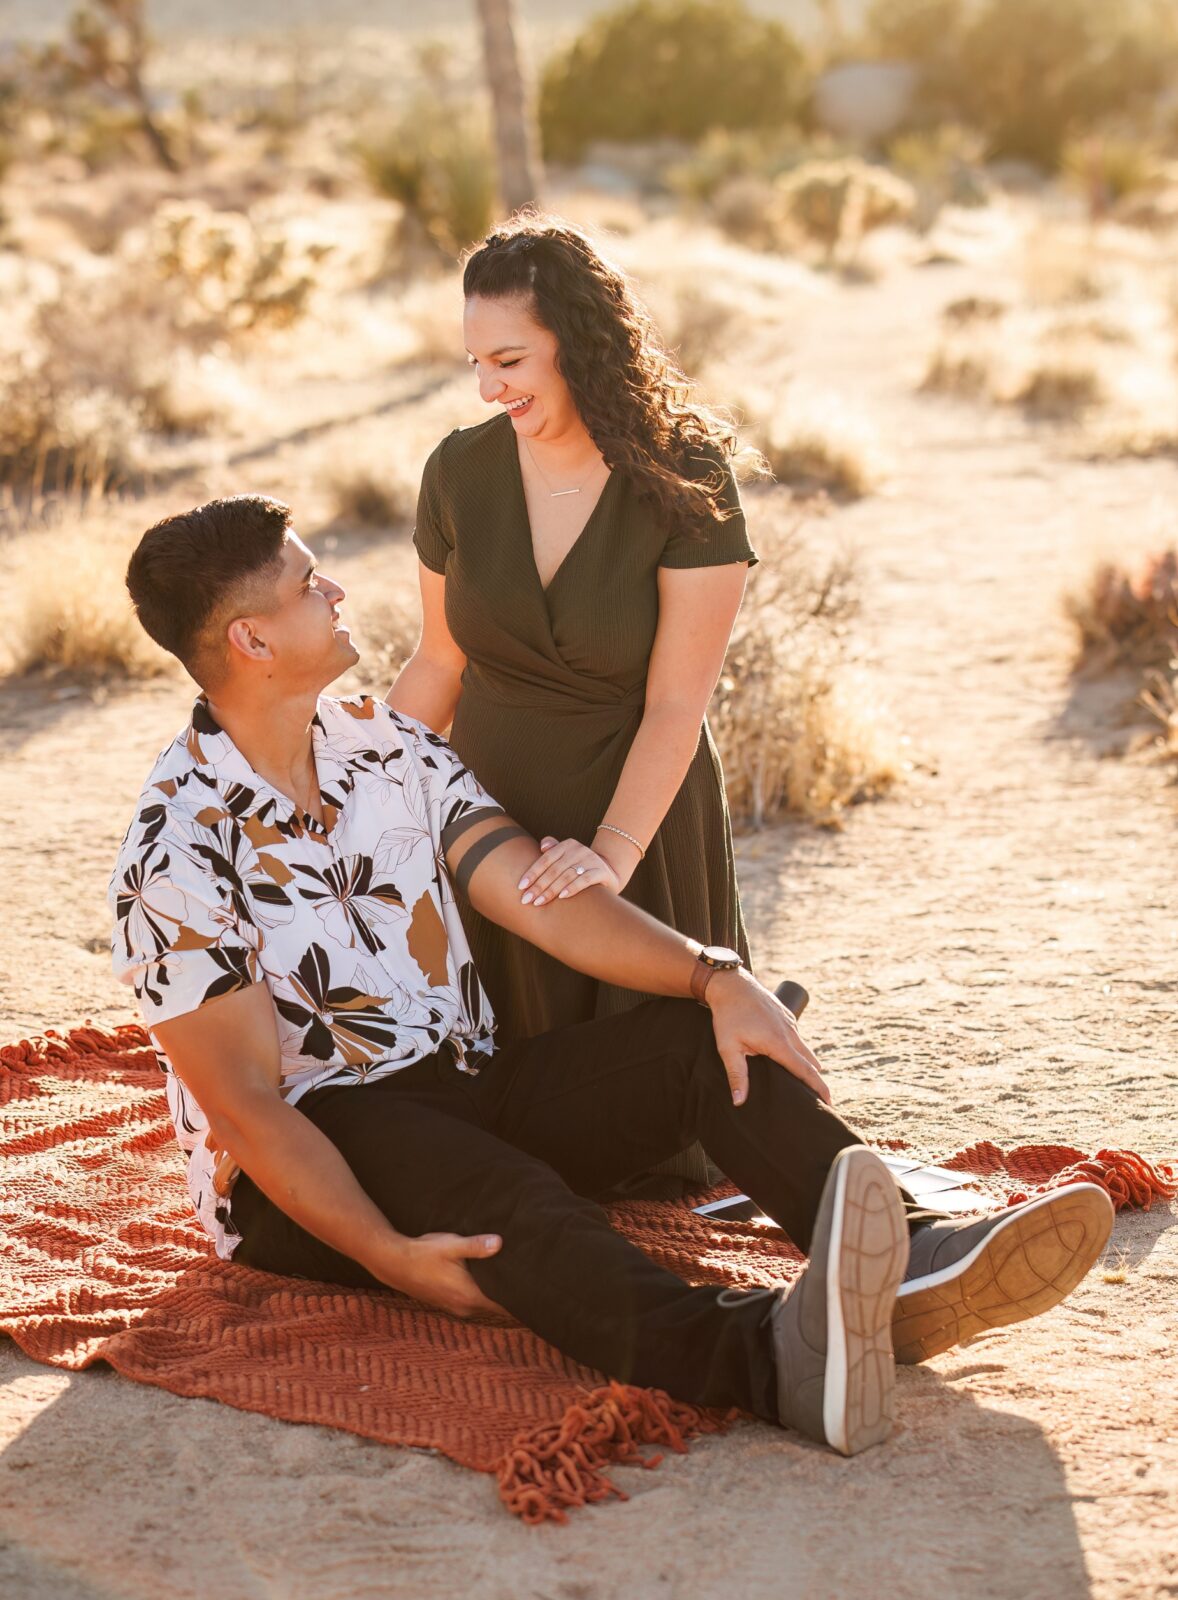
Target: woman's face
x: 515, y: 359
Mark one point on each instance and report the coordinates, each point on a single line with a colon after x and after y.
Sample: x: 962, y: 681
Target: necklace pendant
x: 557, y: 494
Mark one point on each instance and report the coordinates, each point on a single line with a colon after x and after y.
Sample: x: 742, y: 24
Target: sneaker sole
x: 868, y: 1255
x: 1028, y: 1264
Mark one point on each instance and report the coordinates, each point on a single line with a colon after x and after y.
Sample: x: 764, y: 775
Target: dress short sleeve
x: 725, y: 541
x: 432, y: 536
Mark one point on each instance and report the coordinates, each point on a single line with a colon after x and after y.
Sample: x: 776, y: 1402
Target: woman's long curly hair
x: 631, y: 396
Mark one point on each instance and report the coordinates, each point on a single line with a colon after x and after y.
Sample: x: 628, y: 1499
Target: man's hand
x: 432, y: 1269
x: 749, y: 1021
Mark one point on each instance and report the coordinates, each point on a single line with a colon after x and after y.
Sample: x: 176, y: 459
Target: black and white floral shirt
x: 223, y: 882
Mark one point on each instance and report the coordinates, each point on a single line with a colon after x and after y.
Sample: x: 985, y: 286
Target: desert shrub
x: 1028, y: 74
x: 1111, y: 166
x: 974, y: 308
x: 1160, y: 698
x: 98, y: 71
x: 799, y: 729
x: 747, y: 211
x: 815, y: 444
x: 56, y: 436
x: 234, y: 271
x: 669, y: 69
x: 69, y: 606
x: 702, y: 326
x: 437, y: 160
x: 953, y: 370
x: 1060, y: 390
x: 1126, y: 616
x: 103, y: 361
x: 386, y: 637
x: 371, y: 495
x: 723, y: 156
x: 944, y: 165
x: 833, y: 204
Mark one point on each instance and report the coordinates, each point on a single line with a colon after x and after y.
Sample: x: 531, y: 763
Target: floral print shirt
x: 222, y: 882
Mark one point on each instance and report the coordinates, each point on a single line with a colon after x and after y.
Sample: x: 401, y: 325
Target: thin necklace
x: 555, y: 494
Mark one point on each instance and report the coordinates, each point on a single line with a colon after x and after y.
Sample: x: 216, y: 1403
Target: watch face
x: 717, y: 955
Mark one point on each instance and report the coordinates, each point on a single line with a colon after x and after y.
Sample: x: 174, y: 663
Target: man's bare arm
x: 599, y: 933
x: 227, y: 1053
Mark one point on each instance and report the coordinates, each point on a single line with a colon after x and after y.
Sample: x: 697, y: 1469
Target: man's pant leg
x: 419, y: 1145
x: 602, y: 1100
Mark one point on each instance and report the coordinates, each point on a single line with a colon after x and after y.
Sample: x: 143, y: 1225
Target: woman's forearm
x: 654, y: 770
x: 426, y: 690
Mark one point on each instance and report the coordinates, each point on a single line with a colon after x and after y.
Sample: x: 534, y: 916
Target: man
x: 284, y: 911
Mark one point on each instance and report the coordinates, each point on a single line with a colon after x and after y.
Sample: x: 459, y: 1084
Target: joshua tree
x: 107, y: 48
x: 515, y: 127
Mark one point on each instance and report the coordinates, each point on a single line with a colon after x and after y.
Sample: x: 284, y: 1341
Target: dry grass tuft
x: 815, y: 444
x: 834, y: 204
x: 702, y: 326
x: 367, y: 495
x: 1128, y: 618
x: 70, y: 610
x: 968, y: 373
x: 799, y: 729
x: 1060, y: 391
x: 1160, y: 697
x: 974, y: 308
x: 386, y: 638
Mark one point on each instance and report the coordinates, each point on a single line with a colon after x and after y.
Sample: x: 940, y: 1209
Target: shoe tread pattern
x: 1033, y: 1262
x: 872, y: 1262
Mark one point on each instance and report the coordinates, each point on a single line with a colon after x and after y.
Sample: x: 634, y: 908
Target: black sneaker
x: 966, y: 1277
x: 832, y: 1331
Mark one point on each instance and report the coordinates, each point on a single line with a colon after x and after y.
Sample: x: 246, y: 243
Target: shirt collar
x: 221, y: 763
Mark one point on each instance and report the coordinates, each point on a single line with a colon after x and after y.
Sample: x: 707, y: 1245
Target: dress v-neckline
x: 546, y: 588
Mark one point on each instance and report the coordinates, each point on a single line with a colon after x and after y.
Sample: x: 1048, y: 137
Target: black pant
x: 518, y: 1149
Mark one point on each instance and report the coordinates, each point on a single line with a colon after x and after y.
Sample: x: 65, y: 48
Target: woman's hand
x: 563, y: 868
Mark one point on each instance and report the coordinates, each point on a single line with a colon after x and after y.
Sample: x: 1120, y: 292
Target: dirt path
x: 992, y: 954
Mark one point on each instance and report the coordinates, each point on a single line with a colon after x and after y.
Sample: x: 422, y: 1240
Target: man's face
x: 308, y: 644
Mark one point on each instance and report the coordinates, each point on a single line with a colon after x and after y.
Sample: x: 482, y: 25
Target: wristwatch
x: 712, y: 958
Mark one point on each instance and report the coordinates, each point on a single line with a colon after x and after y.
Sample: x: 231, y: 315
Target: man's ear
x: 244, y: 638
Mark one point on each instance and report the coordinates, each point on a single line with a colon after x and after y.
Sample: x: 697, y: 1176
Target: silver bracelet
x: 610, y: 828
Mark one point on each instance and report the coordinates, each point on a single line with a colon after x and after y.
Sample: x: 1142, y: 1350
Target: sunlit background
x: 228, y: 247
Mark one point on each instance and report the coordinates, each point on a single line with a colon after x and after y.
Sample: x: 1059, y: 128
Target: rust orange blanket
x: 101, y: 1260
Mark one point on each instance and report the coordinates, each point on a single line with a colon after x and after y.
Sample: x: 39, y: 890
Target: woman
x: 582, y: 560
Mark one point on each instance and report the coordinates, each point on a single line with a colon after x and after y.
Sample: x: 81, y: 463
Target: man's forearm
x: 595, y: 932
x: 301, y: 1171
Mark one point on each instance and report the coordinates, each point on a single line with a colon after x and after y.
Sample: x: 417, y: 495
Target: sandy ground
x: 992, y: 954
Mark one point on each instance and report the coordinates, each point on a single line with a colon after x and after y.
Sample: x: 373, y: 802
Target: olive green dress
x: 552, y: 696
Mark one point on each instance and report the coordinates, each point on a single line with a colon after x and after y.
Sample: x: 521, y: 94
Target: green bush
x: 438, y: 162
x: 669, y: 69
x: 1028, y: 74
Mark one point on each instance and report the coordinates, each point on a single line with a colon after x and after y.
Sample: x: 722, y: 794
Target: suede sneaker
x: 832, y: 1330
x: 966, y: 1277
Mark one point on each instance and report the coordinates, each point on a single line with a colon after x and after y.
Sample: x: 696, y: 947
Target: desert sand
x: 992, y: 953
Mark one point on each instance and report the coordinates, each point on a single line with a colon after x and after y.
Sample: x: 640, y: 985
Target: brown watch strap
x: 702, y: 974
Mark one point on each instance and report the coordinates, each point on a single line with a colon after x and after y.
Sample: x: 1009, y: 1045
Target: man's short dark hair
x: 191, y: 571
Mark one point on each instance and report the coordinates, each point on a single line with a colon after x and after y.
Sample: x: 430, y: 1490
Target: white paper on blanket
x: 935, y: 1187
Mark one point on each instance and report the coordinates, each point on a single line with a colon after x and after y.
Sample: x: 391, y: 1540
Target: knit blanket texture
x: 101, y: 1259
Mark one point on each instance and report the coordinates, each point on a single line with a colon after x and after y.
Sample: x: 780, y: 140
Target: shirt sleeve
x: 181, y: 937
x: 451, y: 790
x: 726, y: 540
x: 432, y: 534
